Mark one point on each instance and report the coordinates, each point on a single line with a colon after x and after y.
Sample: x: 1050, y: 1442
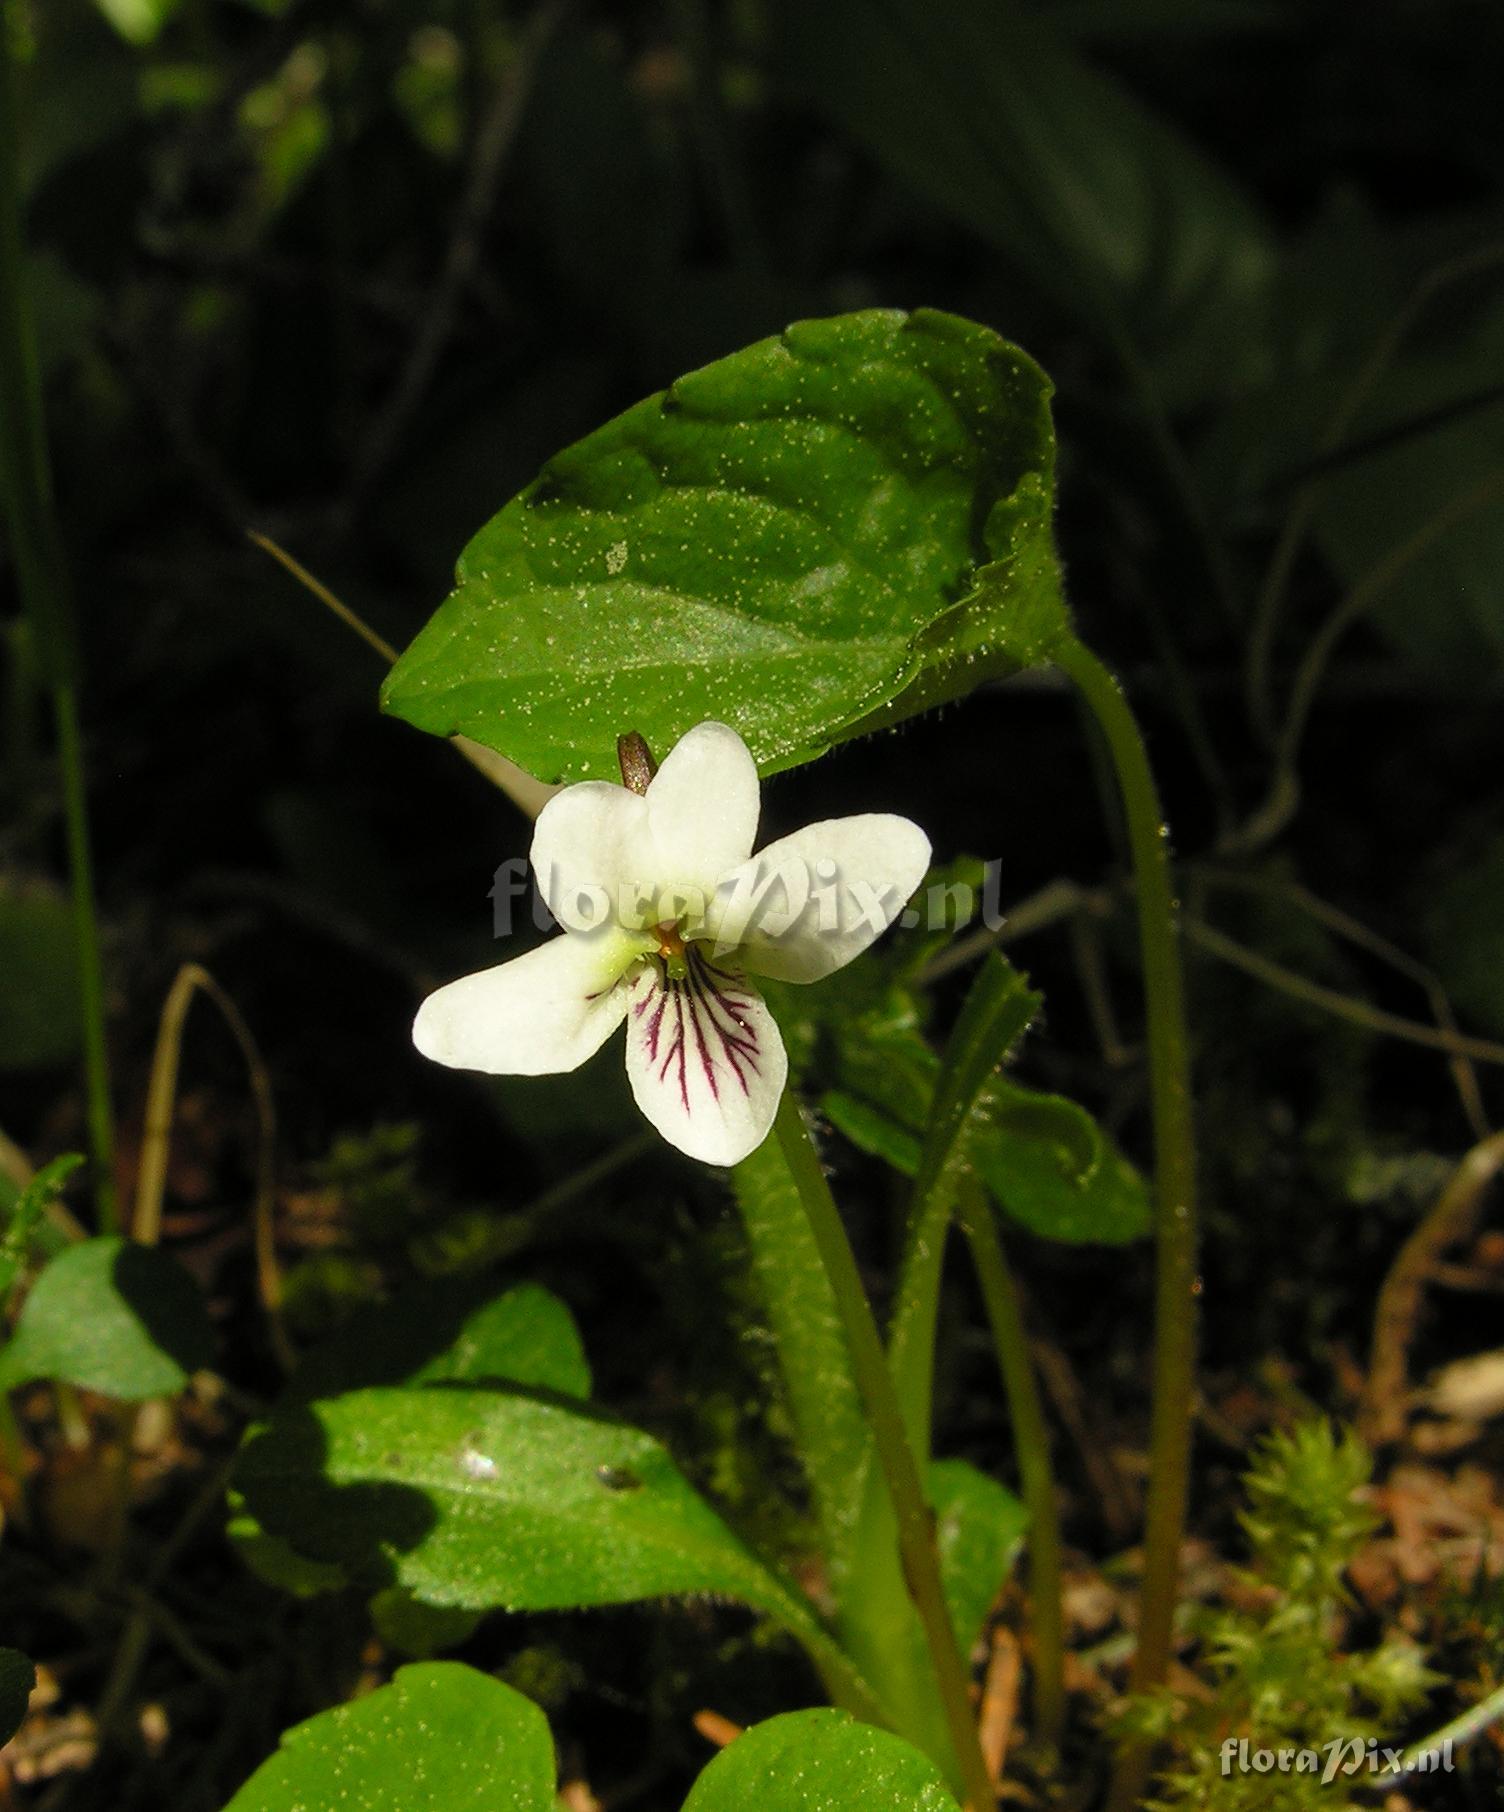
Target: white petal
x: 590, y: 842
x: 543, y: 1012
x: 705, y: 1059
x: 702, y: 807
x: 806, y: 905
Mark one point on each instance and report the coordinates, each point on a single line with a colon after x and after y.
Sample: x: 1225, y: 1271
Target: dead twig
x: 999, y: 1708
x: 527, y: 794
x: 1451, y: 1218
x: 1334, y: 919
x: 716, y: 1729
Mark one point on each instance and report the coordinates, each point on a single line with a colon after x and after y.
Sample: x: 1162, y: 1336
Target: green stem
x: 41, y: 574
x: 101, y: 1119
x: 874, y: 1615
x: 994, y: 1015
x: 1175, y: 1190
x: 1031, y: 1448
x: 916, y: 1540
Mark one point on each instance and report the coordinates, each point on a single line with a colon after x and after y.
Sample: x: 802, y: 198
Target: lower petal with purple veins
x: 704, y: 1057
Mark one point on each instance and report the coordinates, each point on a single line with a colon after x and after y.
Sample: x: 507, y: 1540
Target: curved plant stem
x: 1446, y: 1223
x: 921, y: 1565
x: 156, y: 1136
x: 1031, y: 1447
x: 1175, y: 1191
x: 41, y: 574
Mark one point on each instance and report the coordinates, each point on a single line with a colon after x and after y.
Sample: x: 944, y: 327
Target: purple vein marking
x: 676, y: 1050
x: 738, y: 1041
x: 713, y: 1012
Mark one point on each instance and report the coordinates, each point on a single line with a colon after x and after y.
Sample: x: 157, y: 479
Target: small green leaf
x: 1061, y: 1126
x: 30, y: 1205
x: 108, y: 1316
x: 17, y: 1678
x: 441, y: 1737
x: 39, y: 1023
x: 979, y: 1530
x: 492, y: 1499
x: 451, y: 1331
x: 826, y: 530
x: 1036, y: 1183
x: 820, y: 1761
x: 409, y: 1627
x: 873, y: 1130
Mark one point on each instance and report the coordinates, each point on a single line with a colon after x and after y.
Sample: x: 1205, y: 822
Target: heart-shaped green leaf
x: 441, y: 1737
x: 124, y: 1320
x: 819, y: 1761
x: 491, y: 1499
x: 824, y: 531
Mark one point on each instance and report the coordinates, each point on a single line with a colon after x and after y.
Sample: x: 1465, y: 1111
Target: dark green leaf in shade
x: 113, y: 1317
x: 824, y: 531
x: 409, y: 1627
x: 441, y: 1737
x: 451, y: 1331
x: 277, y: 1561
x: 17, y: 1677
x: 979, y: 1530
x: 819, y: 1761
x: 1107, y: 208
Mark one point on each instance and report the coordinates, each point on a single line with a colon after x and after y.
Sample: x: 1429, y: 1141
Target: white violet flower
x: 667, y: 915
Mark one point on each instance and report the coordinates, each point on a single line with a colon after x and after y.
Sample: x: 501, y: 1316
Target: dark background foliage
x: 347, y: 271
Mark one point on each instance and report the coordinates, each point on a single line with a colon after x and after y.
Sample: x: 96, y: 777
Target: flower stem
x: 1175, y: 1192
x: 921, y: 1567
x: 874, y: 1615
x: 1031, y: 1447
